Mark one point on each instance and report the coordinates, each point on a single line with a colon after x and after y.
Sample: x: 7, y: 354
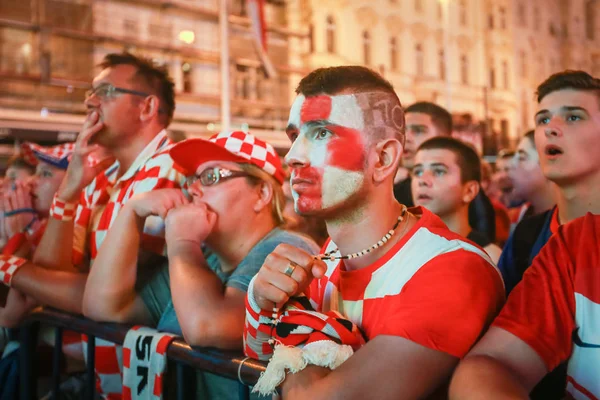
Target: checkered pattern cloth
x: 8, y: 266
x: 410, y: 292
x: 99, y: 205
x: 144, y: 362
x: 254, y: 150
x: 56, y: 155
x: 61, y: 210
x: 296, y: 336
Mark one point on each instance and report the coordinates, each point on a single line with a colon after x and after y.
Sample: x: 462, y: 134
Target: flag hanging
x: 255, y: 9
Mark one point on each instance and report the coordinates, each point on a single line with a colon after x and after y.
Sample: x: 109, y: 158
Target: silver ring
x: 289, y: 270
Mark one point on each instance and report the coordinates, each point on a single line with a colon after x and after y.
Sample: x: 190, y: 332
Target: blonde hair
x: 278, y: 199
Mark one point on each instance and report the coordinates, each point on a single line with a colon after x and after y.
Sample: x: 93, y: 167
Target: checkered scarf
x: 298, y: 336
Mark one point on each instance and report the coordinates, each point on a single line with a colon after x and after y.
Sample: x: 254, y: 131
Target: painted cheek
x: 346, y: 150
x: 308, y: 197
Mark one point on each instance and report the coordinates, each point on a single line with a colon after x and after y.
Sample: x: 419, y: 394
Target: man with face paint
x: 420, y: 294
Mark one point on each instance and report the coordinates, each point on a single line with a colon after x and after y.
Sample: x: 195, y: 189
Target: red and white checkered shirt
x: 102, y: 199
x: 98, y: 208
x: 433, y: 287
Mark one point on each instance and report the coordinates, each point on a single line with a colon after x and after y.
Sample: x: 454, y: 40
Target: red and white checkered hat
x: 239, y: 147
x: 57, y: 156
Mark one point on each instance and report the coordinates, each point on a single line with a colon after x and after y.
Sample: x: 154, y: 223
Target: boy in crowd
x: 446, y: 178
x: 538, y: 328
x: 425, y: 120
x: 528, y: 180
x: 419, y: 316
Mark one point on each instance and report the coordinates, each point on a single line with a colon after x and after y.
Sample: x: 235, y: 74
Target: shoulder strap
x: 524, y: 237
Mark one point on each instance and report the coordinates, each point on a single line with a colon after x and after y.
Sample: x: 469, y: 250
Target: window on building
x: 442, y: 64
x: 130, y: 28
x: 463, y: 12
x: 523, y: 60
x: 492, y: 76
x: 366, y: 48
x: 419, y: 59
x: 590, y: 19
x: 242, y: 82
x: 419, y: 6
x: 393, y: 54
x: 522, y: 14
x: 330, y: 36
x: 491, y: 20
x: 502, y: 13
x: 311, y: 38
x: 440, y: 10
x: 186, y: 71
x: 505, y: 75
x: 464, y: 69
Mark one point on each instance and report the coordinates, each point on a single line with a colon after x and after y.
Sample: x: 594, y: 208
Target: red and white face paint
x: 328, y: 154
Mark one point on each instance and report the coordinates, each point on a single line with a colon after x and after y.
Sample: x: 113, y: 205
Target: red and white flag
x: 255, y: 10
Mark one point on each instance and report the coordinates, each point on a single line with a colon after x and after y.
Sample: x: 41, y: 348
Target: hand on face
x: 81, y: 172
x: 157, y: 202
x: 17, y: 199
x: 191, y: 222
x: 272, y: 287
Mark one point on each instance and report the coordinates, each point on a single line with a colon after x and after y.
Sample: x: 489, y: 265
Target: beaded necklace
x: 330, y: 254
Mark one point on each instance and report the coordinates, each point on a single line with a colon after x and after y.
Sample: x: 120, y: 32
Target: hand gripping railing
x: 232, y: 365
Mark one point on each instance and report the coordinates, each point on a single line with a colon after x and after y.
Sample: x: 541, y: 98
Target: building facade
x: 478, y: 57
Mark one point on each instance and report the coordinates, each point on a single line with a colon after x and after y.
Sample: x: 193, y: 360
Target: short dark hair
x: 569, y: 79
x: 334, y: 80
x: 466, y: 157
x: 356, y: 79
x: 439, y: 115
x: 154, y: 77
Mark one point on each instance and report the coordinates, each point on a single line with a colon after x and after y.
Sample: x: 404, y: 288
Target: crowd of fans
x: 380, y: 249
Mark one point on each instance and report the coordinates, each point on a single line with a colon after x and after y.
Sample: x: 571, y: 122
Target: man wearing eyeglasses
x: 128, y: 109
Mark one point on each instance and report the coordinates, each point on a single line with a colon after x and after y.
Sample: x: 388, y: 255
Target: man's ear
x: 265, y: 194
x: 387, y: 158
x: 470, y: 191
x: 150, y: 107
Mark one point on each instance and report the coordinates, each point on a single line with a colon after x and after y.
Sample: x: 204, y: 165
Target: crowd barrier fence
x: 232, y: 365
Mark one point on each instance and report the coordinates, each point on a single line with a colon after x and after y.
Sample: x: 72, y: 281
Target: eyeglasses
x: 108, y: 91
x: 212, y: 176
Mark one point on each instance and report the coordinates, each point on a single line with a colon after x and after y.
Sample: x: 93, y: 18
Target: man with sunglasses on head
x: 217, y: 239
x: 129, y: 107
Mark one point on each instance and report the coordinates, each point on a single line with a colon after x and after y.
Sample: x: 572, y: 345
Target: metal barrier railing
x: 232, y: 365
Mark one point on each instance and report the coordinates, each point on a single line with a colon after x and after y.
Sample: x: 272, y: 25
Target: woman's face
x: 231, y: 198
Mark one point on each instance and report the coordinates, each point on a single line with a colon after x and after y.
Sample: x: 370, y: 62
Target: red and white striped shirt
x: 433, y: 287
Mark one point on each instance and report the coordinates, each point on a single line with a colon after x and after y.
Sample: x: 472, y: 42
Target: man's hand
x: 272, y: 287
x: 189, y: 223
x: 13, y: 200
x: 157, y: 202
x: 80, y: 172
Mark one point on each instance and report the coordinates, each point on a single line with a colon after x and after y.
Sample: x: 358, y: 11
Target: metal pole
x: 446, y: 4
x: 225, y: 86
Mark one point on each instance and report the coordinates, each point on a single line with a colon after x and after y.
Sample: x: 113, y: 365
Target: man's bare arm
x: 500, y: 366
x: 388, y: 367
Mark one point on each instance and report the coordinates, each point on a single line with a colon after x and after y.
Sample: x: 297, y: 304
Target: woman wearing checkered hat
x: 217, y: 237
